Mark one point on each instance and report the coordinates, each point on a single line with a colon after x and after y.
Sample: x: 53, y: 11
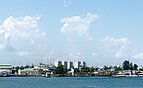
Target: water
x: 71, y: 82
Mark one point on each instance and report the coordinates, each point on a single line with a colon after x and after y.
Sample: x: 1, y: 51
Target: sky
x: 99, y: 32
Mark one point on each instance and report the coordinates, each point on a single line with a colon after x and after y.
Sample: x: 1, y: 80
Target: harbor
x: 70, y: 69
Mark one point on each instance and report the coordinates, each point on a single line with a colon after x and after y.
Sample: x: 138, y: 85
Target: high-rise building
x: 77, y: 64
x: 64, y: 63
x: 70, y: 65
x: 83, y: 64
x: 57, y: 63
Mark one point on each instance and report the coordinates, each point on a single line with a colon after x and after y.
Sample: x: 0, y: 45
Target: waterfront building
x: 70, y: 65
x: 64, y: 63
x: 71, y: 72
x: 5, y: 69
x: 57, y: 63
x: 77, y: 64
x: 83, y: 64
x: 28, y: 72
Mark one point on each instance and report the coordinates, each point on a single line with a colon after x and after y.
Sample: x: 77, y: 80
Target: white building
x: 57, y: 63
x: 71, y: 72
x: 70, y: 64
x: 77, y: 64
x: 5, y: 69
x: 28, y: 71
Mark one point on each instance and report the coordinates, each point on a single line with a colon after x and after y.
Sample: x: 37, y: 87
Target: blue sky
x: 100, y: 32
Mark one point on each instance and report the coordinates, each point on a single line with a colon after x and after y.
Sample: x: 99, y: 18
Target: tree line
x: 129, y: 65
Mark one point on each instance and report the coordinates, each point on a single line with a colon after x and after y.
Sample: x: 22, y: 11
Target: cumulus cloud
x: 14, y: 28
x: 27, y: 22
x: 22, y: 26
x: 138, y: 55
x: 120, y: 45
x: 77, y: 24
x: 24, y: 53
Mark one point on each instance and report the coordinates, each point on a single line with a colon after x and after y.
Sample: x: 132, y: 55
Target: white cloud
x: 17, y: 28
x: 77, y: 25
x: 138, y: 55
x: 120, y: 45
x: 121, y: 52
x: 22, y: 26
x: 27, y: 22
x: 24, y: 53
x: 109, y: 41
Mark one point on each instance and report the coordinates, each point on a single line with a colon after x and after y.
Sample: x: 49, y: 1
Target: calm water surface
x: 71, y: 82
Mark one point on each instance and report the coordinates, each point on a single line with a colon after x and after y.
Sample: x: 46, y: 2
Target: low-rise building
x: 5, y: 69
x: 28, y: 72
x: 37, y: 70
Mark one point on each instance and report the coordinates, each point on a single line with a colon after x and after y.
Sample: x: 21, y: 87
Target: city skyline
x: 98, y: 32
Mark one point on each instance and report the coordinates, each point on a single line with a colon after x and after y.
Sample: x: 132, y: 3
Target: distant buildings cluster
x: 7, y: 69
x: 70, y: 64
x: 69, y: 68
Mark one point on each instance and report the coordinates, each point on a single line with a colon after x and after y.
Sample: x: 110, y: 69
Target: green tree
x: 92, y: 69
x: 135, y: 66
x: 85, y: 69
x: 126, y: 65
x: 105, y: 67
x: 60, y: 70
x: 17, y: 68
x: 116, y: 69
x: 21, y: 68
x: 27, y: 66
x: 131, y: 66
x: 76, y: 70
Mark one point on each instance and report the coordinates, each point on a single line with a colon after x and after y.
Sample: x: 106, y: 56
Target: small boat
x: 48, y: 74
x: 118, y: 76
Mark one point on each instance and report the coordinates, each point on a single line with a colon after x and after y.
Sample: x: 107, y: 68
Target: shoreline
x: 114, y: 76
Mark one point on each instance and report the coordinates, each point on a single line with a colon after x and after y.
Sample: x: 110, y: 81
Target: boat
x: 118, y: 76
x: 48, y: 73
